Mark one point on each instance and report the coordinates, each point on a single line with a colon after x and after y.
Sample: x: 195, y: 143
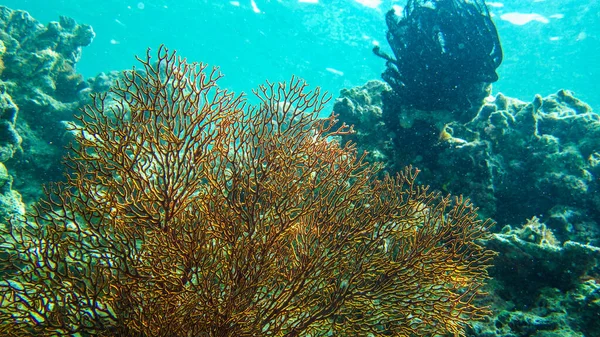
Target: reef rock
x: 531, y: 258
x: 535, y: 163
x: 514, y: 160
x: 361, y: 107
x: 542, y: 287
x: 10, y: 142
x: 39, y: 79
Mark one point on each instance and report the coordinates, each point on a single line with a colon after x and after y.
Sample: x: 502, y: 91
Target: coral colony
x: 186, y: 210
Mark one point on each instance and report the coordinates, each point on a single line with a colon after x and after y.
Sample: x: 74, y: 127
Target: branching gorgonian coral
x: 189, y: 212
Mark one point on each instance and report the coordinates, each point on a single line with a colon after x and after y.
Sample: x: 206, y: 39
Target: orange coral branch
x: 189, y: 212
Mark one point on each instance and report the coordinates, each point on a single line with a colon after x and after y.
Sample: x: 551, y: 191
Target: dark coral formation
x: 446, y: 54
x: 39, y: 77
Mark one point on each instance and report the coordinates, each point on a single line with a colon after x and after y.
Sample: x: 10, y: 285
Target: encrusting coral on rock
x: 512, y: 158
x: 517, y: 161
x: 39, y: 77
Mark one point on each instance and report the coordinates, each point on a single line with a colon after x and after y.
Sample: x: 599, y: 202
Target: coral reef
x: 188, y: 212
x: 10, y: 200
x: 534, y: 167
x: 361, y: 107
x: 10, y: 142
x: 515, y: 160
x: 39, y: 77
x: 530, y: 259
x: 531, y: 159
x: 542, y: 287
x: 532, y: 163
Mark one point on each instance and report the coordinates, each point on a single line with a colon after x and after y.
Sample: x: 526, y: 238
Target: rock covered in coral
x: 547, y: 323
x: 531, y: 258
x: 10, y: 142
x: 553, y: 313
x: 10, y: 200
x: 542, y: 287
x: 523, y: 163
x: 538, y: 156
x: 513, y: 159
x: 38, y: 74
x: 361, y: 107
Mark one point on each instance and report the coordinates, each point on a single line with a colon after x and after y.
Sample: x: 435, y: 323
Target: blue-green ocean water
x: 548, y: 44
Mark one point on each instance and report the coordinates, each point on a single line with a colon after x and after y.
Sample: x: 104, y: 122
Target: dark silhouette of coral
x: 188, y: 212
x: 446, y: 54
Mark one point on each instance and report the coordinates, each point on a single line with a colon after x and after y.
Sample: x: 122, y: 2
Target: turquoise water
x: 327, y: 42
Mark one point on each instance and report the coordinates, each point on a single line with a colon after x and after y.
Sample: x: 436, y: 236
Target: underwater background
x: 548, y: 45
x: 528, y: 155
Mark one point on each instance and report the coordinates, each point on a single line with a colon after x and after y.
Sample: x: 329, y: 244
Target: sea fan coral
x: 187, y: 212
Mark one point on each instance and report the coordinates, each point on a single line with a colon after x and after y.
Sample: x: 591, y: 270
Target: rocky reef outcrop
x: 532, y: 167
x: 40, y: 89
x: 515, y: 159
x: 541, y: 286
x: 10, y: 142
